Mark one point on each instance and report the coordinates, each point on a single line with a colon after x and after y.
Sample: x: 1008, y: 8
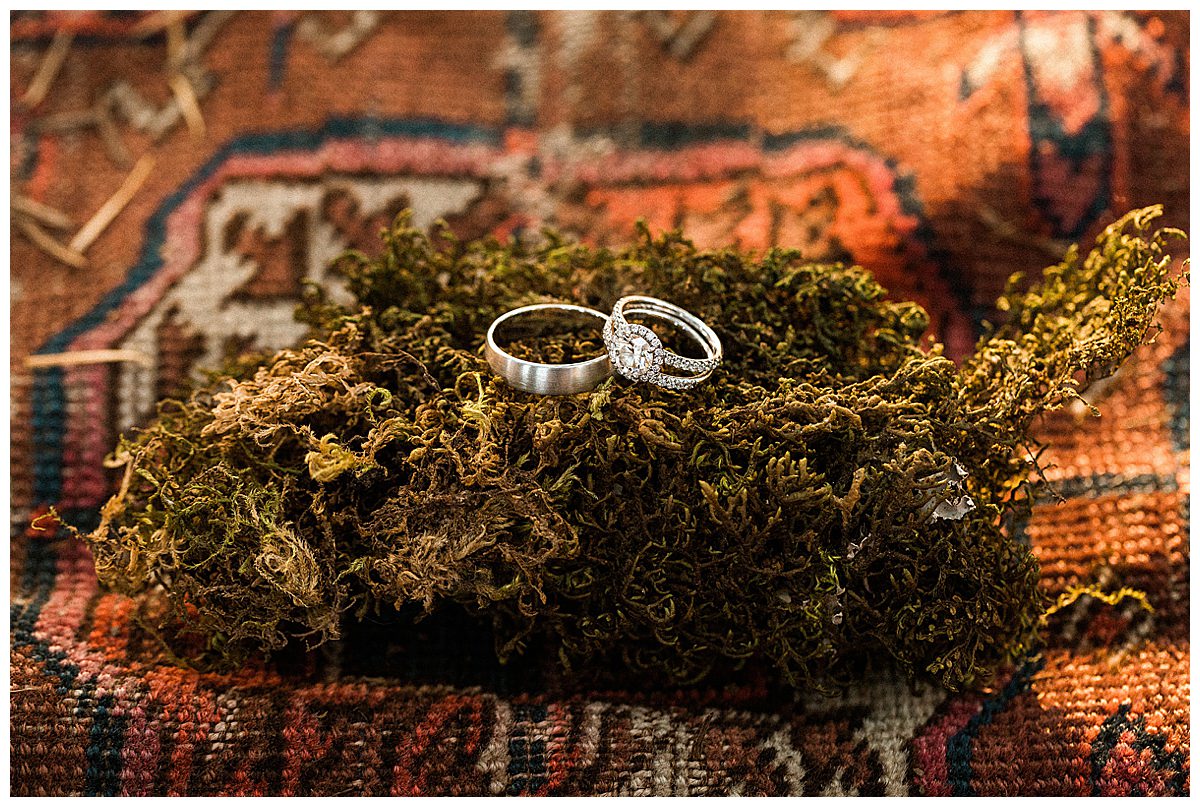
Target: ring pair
x: 633, y: 350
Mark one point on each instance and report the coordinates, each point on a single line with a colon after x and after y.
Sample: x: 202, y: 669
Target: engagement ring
x: 638, y: 353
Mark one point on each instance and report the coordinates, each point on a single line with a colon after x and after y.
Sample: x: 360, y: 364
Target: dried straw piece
x: 48, y: 70
x: 73, y: 358
x: 46, y: 243
x: 185, y: 93
x: 159, y: 21
x: 67, y: 121
x: 45, y: 214
x: 336, y: 44
x: 98, y: 117
x: 1009, y: 232
x: 115, y: 204
x: 189, y: 104
x: 204, y: 31
x: 176, y: 43
x: 110, y: 137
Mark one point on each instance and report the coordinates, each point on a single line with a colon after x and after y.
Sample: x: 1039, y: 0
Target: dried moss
x: 806, y: 510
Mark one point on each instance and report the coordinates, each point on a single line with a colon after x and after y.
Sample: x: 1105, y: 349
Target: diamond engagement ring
x: 638, y: 354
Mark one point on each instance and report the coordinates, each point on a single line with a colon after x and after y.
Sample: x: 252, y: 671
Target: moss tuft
x: 809, y: 509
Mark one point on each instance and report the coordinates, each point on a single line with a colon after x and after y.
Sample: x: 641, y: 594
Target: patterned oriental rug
x: 177, y: 176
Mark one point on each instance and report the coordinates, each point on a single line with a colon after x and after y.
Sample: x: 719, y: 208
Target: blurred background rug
x: 176, y: 176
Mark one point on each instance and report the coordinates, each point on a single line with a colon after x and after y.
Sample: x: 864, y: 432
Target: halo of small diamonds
x: 637, y: 353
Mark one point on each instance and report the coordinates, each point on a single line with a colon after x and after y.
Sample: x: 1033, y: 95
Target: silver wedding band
x: 633, y: 350
x: 546, y: 379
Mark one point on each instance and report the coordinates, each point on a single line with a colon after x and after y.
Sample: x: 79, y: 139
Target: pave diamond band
x: 638, y: 354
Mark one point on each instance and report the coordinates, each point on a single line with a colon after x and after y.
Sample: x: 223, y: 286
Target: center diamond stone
x: 635, y: 353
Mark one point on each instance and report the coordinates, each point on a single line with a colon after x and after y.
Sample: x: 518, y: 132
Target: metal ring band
x: 638, y: 353
x: 540, y: 378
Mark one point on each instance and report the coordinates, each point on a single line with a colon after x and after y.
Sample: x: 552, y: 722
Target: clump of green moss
x: 806, y: 509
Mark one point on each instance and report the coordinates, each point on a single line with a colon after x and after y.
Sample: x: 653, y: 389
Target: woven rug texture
x: 237, y: 152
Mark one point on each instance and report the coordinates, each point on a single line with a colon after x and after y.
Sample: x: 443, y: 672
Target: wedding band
x: 638, y: 354
x: 540, y: 378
